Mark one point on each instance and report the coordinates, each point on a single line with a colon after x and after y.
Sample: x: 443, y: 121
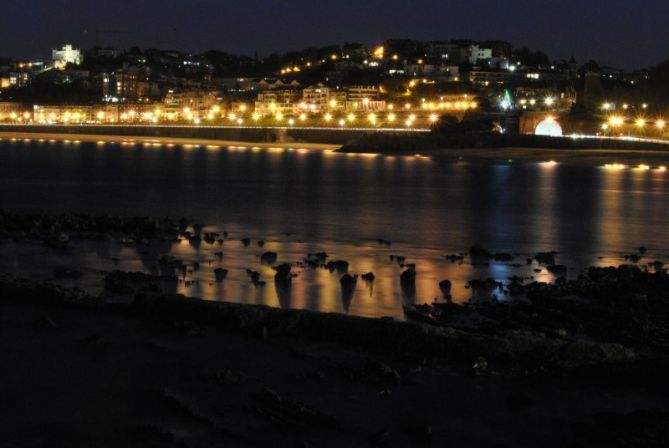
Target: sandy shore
x: 159, y: 140
x: 654, y: 158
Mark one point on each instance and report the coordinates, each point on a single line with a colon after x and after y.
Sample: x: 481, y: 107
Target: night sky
x: 624, y: 33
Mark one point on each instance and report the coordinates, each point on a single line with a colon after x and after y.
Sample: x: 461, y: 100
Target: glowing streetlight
x: 616, y: 121
x: 328, y: 117
x: 640, y: 122
x: 391, y: 117
x: 434, y: 118
x: 351, y: 118
x: 660, y: 124
x: 549, y: 101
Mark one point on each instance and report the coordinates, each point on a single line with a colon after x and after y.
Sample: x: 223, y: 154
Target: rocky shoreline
x: 584, y: 360
x: 606, y: 315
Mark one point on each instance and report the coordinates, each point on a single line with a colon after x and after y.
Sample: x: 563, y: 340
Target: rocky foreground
x: 577, y: 363
x: 168, y: 371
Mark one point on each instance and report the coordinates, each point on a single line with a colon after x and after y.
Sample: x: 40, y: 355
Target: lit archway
x: 549, y: 127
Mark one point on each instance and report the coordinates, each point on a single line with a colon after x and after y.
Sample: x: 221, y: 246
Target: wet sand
x: 160, y: 140
x: 81, y: 375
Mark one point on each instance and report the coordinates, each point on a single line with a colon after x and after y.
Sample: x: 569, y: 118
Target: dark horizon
x: 613, y: 33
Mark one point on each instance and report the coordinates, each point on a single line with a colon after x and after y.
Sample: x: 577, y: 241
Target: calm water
x: 307, y: 201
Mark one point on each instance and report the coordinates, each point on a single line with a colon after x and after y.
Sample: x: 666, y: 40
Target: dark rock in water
x: 398, y: 258
x: 283, y: 272
x: 503, y: 257
x: 338, y: 265
x: 408, y: 276
x: 261, y: 243
x: 642, y: 250
x: 384, y: 242
x: 348, y: 281
x: 546, y: 258
x: 657, y: 265
x: 246, y: 242
x: 408, y: 284
x: 348, y: 284
x: 634, y: 258
x: 318, y: 257
x: 269, y: 258
x: 557, y: 270
x: 368, y: 277
x: 220, y: 274
x: 445, y: 287
x: 253, y: 275
x: 63, y: 273
x: 454, y: 258
x: 479, y: 252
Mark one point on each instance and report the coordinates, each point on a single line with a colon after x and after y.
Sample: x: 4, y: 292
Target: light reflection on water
x: 309, y: 201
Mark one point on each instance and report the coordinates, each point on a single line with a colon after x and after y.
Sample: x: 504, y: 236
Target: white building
x: 66, y: 55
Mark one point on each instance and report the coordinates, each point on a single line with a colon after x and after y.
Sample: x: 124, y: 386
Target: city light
x: 660, y: 124
x: 640, y: 122
x: 616, y: 121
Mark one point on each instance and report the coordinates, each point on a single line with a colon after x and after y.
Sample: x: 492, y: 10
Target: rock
x: 348, y: 281
x: 480, y: 367
x: 220, y: 274
x: 455, y: 258
x: 445, y: 288
x: 338, y: 265
x: 546, y: 258
x: 503, y: 257
x: 479, y: 252
x: 283, y: 273
x: 269, y: 258
x: 398, y: 258
x: 368, y: 277
x: 318, y: 257
x: 246, y: 242
x: 557, y: 270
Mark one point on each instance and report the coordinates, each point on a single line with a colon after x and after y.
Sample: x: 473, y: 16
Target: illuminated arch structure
x: 549, y: 127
